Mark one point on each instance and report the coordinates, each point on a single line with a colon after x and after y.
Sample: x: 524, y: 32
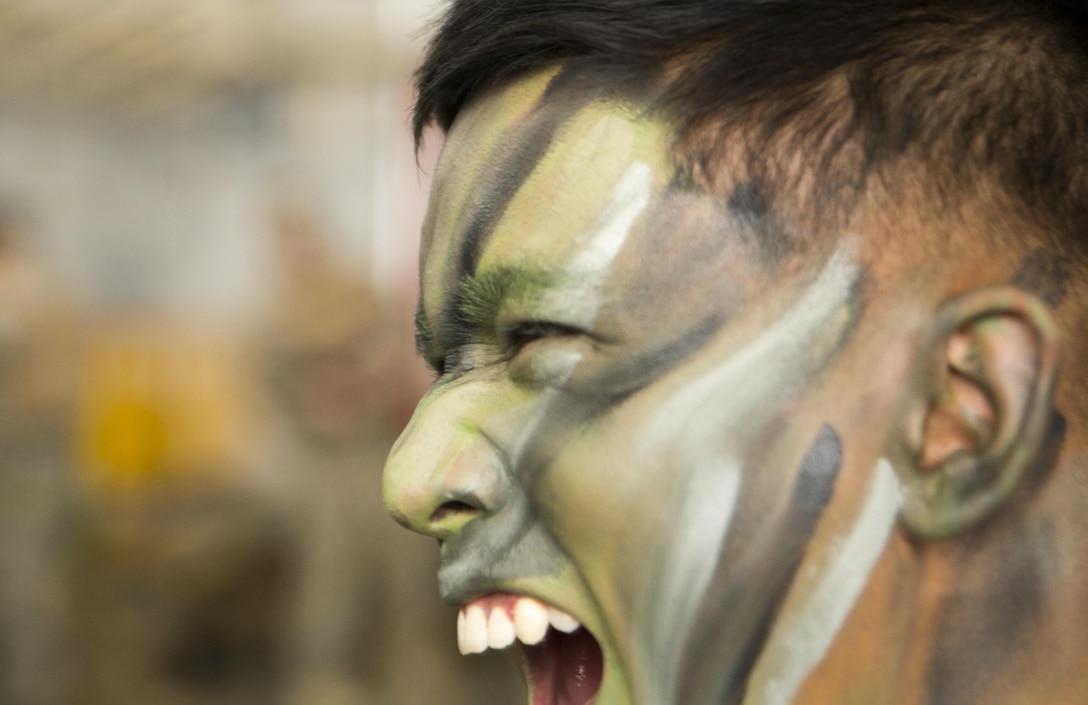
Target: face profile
x: 709, y: 418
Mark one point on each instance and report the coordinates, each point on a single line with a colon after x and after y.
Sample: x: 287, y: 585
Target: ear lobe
x: 978, y: 414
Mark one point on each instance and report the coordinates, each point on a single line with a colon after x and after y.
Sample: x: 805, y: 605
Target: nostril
x: 453, y: 508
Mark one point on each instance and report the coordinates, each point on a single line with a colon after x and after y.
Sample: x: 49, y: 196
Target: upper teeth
x: 495, y: 623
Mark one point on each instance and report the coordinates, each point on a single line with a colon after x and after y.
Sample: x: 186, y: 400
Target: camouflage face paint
x: 705, y: 425
x: 620, y: 429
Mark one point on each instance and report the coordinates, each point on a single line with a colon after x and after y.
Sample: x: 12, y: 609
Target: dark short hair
x: 972, y: 90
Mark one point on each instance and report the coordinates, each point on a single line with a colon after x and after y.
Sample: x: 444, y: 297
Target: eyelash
x: 519, y: 335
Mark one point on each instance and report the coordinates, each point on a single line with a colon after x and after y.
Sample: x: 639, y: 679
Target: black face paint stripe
x: 749, y: 207
x: 750, y: 583
x: 531, y: 140
x: 993, y: 628
x: 1044, y: 273
x: 629, y: 377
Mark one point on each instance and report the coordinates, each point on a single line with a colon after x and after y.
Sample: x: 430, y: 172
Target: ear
x: 978, y: 412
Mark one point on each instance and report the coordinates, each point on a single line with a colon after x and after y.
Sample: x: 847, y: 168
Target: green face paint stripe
x: 479, y: 296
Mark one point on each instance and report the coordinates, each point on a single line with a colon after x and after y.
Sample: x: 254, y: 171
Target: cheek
x: 612, y: 508
x: 548, y: 364
x: 651, y: 486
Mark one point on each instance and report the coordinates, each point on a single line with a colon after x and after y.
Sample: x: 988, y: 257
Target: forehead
x: 522, y: 175
x: 573, y: 196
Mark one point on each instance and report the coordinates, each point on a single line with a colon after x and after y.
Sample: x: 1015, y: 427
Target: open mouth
x: 562, y: 659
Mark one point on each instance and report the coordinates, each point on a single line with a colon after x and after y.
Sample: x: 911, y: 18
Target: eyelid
x: 514, y: 336
x: 519, y: 334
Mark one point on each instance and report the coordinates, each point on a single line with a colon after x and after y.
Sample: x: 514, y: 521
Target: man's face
x: 639, y: 418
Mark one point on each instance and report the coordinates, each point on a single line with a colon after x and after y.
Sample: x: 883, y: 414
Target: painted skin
x: 631, y: 418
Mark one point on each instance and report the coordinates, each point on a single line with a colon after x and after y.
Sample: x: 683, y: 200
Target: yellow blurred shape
x: 163, y: 404
x: 129, y: 437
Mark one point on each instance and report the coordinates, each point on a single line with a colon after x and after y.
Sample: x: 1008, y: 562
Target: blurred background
x: 208, y: 222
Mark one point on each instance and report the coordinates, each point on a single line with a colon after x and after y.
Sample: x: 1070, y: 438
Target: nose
x: 443, y: 472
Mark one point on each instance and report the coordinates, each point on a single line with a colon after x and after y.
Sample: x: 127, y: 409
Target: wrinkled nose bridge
x: 438, y: 480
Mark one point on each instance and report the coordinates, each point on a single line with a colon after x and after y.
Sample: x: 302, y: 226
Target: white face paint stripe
x: 517, y: 448
x: 598, y: 247
x: 602, y: 242
x: 802, y: 639
x: 578, y: 299
x: 719, y: 479
x: 737, y: 382
x: 685, y: 432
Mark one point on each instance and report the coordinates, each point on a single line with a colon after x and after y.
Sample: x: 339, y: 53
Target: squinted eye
x: 522, y: 334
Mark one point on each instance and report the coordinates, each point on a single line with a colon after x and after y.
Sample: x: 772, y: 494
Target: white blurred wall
x: 147, y: 141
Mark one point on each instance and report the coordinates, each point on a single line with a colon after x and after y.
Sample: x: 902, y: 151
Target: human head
x: 748, y: 316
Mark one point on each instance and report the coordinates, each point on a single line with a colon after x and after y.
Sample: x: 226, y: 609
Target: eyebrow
x: 473, y: 308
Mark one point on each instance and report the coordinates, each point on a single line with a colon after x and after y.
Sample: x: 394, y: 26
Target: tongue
x: 565, y: 668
